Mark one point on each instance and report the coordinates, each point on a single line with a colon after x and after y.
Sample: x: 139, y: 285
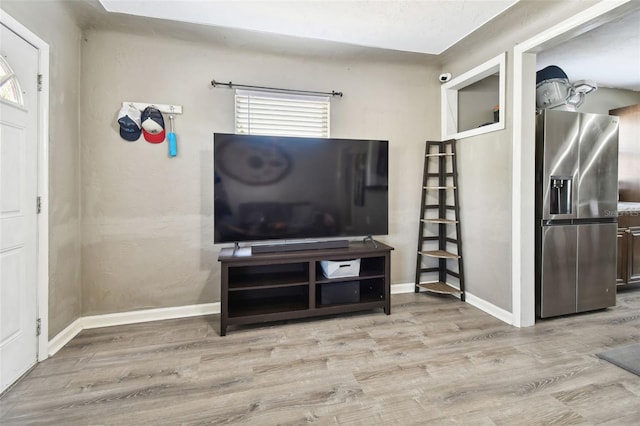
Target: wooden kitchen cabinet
x: 628, y: 256
x: 633, y: 255
x: 628, y: 194
x: 622, y: 273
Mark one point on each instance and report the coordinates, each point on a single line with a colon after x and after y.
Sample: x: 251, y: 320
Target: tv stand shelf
x: 264, y: 287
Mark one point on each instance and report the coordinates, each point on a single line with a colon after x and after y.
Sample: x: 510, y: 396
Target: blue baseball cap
x: 129, y: 120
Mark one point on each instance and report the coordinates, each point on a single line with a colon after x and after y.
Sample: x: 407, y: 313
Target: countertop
x: 628, y: 214
x: 628, y: 206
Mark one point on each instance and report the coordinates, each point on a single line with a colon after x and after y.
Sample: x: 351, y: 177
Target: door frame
x: 42, y: 298
x: 523, y: 176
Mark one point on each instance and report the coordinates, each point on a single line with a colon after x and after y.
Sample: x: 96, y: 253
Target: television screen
x: 275, y: 187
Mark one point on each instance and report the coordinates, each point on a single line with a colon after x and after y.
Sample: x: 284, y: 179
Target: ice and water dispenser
x: 561, y: 195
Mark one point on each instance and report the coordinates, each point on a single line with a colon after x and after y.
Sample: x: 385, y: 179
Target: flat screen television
x: 290, y: 188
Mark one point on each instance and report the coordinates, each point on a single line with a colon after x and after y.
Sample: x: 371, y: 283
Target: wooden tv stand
x: 266, y: 287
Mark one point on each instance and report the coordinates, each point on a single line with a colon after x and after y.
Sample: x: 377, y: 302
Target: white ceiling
x: 422, y: 26
x: 608, y: 55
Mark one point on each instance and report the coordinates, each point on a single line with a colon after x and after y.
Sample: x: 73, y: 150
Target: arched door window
x: 9, y: 85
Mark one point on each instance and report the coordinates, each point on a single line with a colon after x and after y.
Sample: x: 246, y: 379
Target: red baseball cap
x: 152, y: 123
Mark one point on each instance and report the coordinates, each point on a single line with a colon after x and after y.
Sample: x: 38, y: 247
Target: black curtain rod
x: 276, y: 89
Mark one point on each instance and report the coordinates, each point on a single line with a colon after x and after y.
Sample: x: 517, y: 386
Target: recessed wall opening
x: 473, y: 103
x: 478, y: 103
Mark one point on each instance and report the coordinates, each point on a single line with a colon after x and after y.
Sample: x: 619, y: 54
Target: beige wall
x: 476, y: 103
x: 147, y: 220
x: 484, y: 176
x: 605, y: 99
x: 51, y: 22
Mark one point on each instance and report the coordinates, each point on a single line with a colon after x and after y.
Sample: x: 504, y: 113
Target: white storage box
x: 340, y: 268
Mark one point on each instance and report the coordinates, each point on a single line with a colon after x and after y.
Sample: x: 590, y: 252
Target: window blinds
x: 265, y: 113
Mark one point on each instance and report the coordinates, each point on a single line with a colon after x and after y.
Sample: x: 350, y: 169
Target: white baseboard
x: 64, y: 336
x: 146, y: 315
x: 131, y: 317
x: 402, y: 288
x: 489, y: 308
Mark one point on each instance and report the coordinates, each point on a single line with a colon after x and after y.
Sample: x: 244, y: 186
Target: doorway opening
x: 523, y: 182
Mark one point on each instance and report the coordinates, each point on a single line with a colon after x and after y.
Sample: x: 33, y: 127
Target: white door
x: 18, y: 192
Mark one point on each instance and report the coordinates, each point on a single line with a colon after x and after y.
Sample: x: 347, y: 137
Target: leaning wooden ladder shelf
x: 440, y: 246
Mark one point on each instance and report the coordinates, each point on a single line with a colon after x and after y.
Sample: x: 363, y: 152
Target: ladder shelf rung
x: 437, y: 175
x: 439, y: 220
x: 453, y: 274
x: 428, y: 270
x: 439, y: 187
x: 440, y: 154
x: 441, y: 254
x: 439, y: 287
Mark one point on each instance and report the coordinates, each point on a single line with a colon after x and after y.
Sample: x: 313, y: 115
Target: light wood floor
x: 435, y: 360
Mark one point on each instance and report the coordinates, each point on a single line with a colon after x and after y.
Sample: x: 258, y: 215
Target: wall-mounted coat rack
x: 167, y: 109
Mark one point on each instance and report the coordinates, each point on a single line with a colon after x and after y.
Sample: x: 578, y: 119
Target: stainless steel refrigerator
x: 576, y: 212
